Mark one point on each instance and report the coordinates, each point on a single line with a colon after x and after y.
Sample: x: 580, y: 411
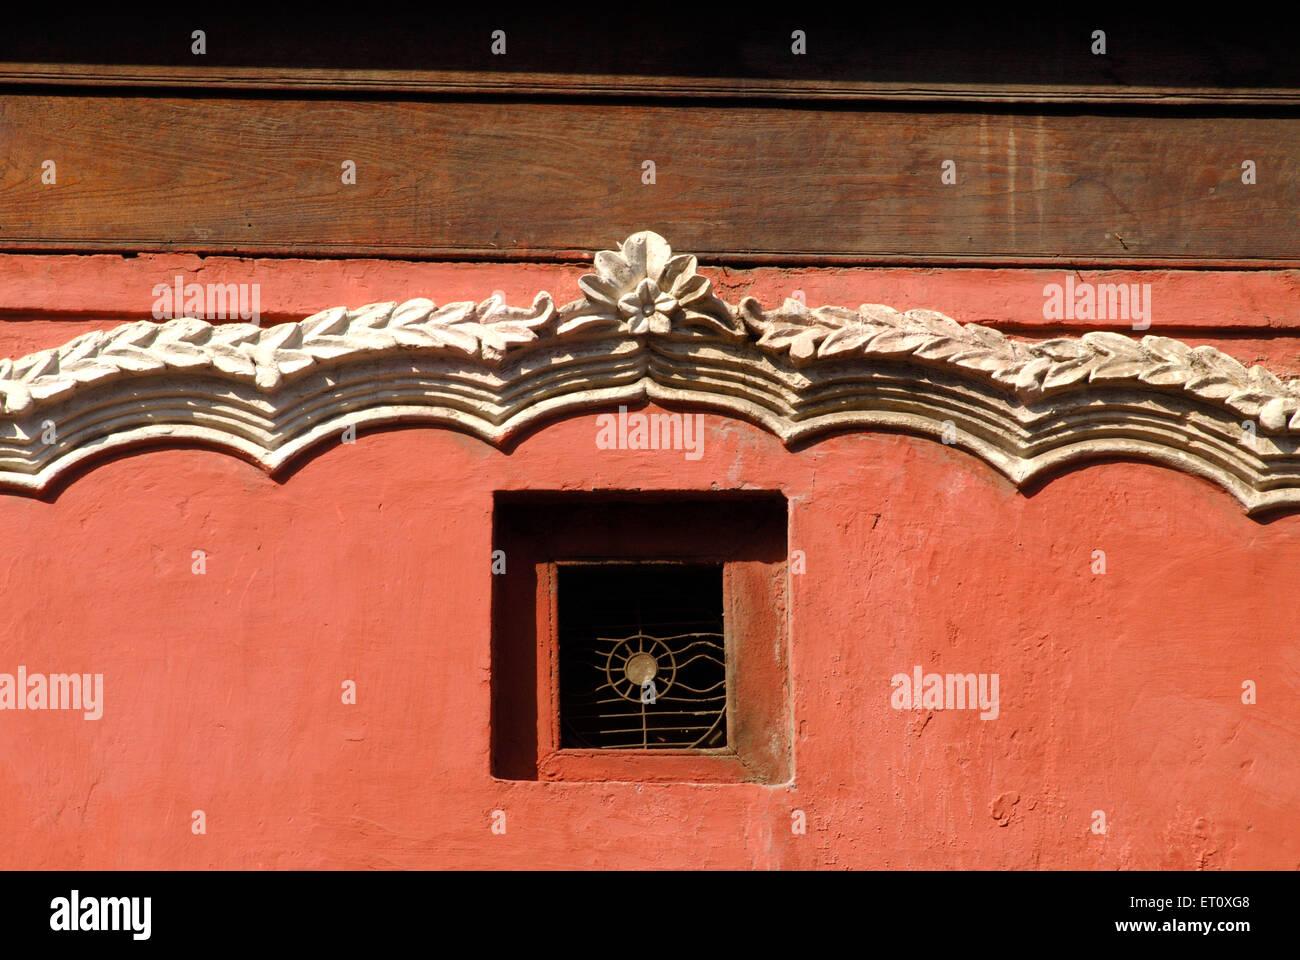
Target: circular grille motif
x: 637, y: 661
x: 648, y: 692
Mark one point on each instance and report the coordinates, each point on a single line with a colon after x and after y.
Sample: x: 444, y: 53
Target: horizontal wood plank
x: 558, y: 180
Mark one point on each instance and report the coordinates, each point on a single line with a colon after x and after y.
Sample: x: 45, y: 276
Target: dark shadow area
x: 915, y: 46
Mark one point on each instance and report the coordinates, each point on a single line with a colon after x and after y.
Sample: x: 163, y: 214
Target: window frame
x: 755, y: 634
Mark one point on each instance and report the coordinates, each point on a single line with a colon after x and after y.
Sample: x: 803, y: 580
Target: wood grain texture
x: 517, y: 179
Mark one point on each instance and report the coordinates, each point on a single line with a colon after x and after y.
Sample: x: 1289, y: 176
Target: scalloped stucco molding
x: 649, y: 327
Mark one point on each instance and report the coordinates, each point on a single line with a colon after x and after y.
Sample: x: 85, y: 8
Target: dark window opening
x: 642, y: 656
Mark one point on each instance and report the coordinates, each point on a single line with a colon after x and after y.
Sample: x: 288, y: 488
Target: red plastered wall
x: 1119, y: 692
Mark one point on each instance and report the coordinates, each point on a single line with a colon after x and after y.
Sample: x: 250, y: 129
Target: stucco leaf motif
x: 268, y: 356
x: 642, y: 288
x: 1033, y: 370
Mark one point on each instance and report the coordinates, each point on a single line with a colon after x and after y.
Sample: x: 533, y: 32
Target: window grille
x: 642, y: 656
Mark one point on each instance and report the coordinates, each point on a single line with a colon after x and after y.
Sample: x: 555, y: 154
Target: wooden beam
x: 511, y: 179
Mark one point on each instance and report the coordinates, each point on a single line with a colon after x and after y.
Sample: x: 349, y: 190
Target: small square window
x: 641, y: 636
x: 643, y: 657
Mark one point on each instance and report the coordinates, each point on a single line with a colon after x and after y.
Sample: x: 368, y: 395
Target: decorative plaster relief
x: 649, y: 327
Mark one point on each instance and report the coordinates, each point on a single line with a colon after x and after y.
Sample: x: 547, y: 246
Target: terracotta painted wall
x: 1118, y: 692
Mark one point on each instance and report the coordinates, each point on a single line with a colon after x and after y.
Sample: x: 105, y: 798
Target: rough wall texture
x: 1120, y: 692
